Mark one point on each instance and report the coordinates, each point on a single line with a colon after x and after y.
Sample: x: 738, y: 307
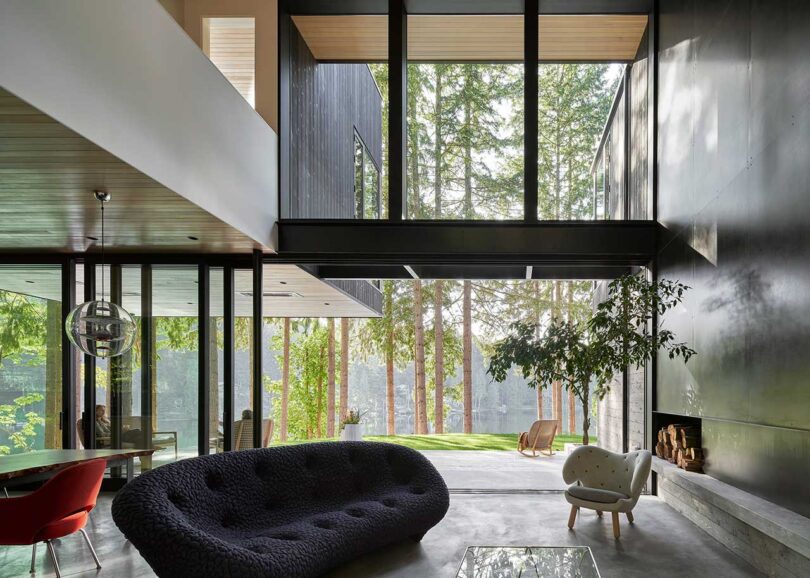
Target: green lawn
x: 463, y: 441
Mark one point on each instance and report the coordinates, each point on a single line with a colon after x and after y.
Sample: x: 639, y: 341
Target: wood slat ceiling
x: 490, y: 38
x: 174, y: 291
x: 48, y: 174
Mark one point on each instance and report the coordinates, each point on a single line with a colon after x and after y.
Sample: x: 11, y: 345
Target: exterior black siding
x: 328, y: 103
x: 734, y: 196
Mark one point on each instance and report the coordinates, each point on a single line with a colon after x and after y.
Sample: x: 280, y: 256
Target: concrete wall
x: 774, y: 540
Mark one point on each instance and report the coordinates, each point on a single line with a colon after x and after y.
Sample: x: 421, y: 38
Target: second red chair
x: 59, y: 508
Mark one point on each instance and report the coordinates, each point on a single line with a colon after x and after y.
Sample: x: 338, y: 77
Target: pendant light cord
x: 102, y: 251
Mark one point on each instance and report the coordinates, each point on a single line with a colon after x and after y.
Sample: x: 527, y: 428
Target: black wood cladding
x: 328, y: 102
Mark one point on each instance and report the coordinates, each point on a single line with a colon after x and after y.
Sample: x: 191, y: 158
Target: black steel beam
x: 257, y: 349
x: 203, y: 356
x: 228, y: 361
x: 116, y: 367
x: 397, y: 109
x: 147, y: 355
x: 613, y: 243
x: 530, y: 107
x: 89, y: 413
x: 470, y: 271
x: 68, y: 421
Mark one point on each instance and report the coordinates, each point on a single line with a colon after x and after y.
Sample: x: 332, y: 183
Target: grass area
x: 462, y: 441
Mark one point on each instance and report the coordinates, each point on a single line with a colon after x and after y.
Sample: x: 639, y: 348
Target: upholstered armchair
x: 604, y: 481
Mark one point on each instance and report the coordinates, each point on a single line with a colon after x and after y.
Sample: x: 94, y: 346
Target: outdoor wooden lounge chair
x: 539, y: 437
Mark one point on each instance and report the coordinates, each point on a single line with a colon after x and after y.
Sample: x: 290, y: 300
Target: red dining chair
x: 59, y: 508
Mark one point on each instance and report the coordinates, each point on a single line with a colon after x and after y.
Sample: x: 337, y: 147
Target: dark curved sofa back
x: 211, y: 502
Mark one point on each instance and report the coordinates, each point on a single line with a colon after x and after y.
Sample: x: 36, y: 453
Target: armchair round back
x: 594, y: 467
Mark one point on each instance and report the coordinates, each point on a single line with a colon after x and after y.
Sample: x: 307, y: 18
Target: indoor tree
x: 619, y: 334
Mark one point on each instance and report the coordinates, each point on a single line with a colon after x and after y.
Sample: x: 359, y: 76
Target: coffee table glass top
x: 527, y: 562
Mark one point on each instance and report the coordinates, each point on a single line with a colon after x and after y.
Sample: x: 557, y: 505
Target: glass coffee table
x: 527, y: 562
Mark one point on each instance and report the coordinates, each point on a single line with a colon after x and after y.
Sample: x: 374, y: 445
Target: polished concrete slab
x: 660, y: 543
x: 498, y: 470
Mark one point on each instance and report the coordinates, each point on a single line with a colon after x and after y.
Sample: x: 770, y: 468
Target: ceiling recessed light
x: 283, y: 282
x: 190, y: 303
x: 326, y: 303
x: 92, y: 238
x: 27, y: 281
x: 193, y: 238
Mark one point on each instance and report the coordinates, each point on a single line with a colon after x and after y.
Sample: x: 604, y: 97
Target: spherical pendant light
x: 100, y: 328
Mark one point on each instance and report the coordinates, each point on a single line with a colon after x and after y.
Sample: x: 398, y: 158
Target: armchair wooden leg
x: 599, y: 513
x: 630, y: 517
x: 616, y: 532
x: 572, y: 518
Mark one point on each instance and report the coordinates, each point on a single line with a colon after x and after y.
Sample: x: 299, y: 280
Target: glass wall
x: 30, y: 358
x: 216, y: 400
x: 243, y: 361
x: 119, y: 416
x: 175, y: 316
x: 465, y: 117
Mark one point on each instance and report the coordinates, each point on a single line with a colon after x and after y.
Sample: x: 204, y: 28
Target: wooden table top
x: 37, y: 462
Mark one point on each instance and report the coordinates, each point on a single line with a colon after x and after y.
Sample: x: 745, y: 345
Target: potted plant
x: 351, y: 430
x: 618, y: 335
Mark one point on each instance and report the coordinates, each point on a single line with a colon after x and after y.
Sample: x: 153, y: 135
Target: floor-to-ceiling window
x: 465, y: 117
x: 30, y: 358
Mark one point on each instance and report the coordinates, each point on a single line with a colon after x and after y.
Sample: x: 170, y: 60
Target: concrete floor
x: 660, y: 543
x: 498, y: 470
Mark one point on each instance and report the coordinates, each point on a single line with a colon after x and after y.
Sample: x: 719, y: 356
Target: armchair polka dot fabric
x: 605, y: 481
x: 289, y: 512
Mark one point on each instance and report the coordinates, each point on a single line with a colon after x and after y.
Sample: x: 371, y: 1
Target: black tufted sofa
x: 280, y: 512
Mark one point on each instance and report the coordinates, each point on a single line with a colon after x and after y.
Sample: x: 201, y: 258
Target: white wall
x: 124, y: 75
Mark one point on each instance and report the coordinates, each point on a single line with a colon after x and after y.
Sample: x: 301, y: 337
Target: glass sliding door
x: 30, y: 358
x: 216, y: 400
x: 175, y: 381
x: 243, y: 360
x: 118, y: 413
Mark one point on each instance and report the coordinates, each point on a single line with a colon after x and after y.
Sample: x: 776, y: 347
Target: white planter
x: 352, y: 432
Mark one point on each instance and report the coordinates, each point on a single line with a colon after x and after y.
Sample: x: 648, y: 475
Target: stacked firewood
x: 680, y: 444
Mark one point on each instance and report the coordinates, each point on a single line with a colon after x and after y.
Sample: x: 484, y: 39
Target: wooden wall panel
x: 230, y: 43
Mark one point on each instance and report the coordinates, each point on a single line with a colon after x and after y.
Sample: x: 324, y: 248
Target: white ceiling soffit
x: 125, y: 76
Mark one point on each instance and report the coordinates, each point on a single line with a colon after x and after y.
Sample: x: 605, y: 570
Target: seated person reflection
x: 104, y: 430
